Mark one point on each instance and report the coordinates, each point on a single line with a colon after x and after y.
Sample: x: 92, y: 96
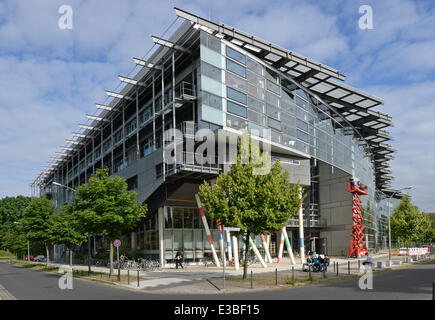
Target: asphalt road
x: 411, y: 283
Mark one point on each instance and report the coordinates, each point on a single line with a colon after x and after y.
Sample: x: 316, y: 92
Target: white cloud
x: 49, y: 78
x: 411, y: 107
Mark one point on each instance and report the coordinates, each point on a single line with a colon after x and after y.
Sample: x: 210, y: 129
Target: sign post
x: 117, y: 244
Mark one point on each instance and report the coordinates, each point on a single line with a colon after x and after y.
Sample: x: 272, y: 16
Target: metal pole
x: 28, y: 250
x: 348, y: 267
x: 252, y: 282
x: 138, y: 278
x: 276, y: 276
x: 389, y: 231
x: 128, y: 275
x: 223, y: 262
x: 89, y: 254
x: 119, y: 267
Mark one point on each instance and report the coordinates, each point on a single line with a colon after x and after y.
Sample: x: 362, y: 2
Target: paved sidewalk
x: 203, y: 279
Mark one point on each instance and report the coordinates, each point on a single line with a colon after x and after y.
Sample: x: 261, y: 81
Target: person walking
x: 325, y: 263
x: 178, y: 259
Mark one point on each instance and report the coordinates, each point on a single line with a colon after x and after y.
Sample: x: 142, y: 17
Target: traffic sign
x: 117, y: 243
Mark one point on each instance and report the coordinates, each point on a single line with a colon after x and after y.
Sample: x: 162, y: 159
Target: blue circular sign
x: 117, y: 243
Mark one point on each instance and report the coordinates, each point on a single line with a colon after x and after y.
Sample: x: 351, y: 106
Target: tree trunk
x: 111, y: 257
x: 48, y: 254
x: 70, y: 257
x: 245, y: 265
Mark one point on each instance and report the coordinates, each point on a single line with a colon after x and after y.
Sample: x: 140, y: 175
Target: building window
x: 273, y: 112
x: 302, y: 136
x: 211, y: 71
x: 236, y: 123
x: 107, y: 145
x: 236, y: 95
x: 273, y: 87
x: 274, y: 124
x: 236, y: 68
x: 131, y: 126
x: 147, y: 147
x: 212, y: 100
x: 147, y: 113
x: 117, y: 137
x: 302, y: 125
x: 239, y: 57
x: 236, y: 109
x: 301, y: 103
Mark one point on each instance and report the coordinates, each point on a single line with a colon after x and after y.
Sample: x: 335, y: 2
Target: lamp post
x: 389, y: 221
x: 89, y: 237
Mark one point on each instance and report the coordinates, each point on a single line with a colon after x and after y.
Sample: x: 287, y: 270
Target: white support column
x: 207, y: 230
x: 268, y: 258
x: 257, y: 253
x: 288, y: 245
x: 236, y: 253
x: 301, y: 229
x: 281, y: 247
x: 230, y: 255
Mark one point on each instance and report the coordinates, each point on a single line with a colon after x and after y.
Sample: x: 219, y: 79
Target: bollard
x: 252, y: 282
x: 324, y: 273
x: 337, y: 268
x: 276, y: 276
x: 334, y: 266
x: 138, y: 278
x: 359, y: 264
x: 128, y: 275
x: 309, y: 276
x: 348, y: 267
x: 293, y: 273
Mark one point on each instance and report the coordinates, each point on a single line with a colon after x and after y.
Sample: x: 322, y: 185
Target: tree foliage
x: 252, y: 196
x: 66, y: 230
x: 11, y: 211
x: 105, y: 206
x: 408, y: 225
x: 37, y: 221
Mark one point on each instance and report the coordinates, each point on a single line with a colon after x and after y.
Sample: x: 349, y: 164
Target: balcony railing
x: 321, y: 223
x: 193, y: 162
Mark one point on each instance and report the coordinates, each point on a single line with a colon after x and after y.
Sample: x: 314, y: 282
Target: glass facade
x: 255, y: 96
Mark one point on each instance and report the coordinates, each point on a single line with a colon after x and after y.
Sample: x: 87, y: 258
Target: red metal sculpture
x: 357, y: 244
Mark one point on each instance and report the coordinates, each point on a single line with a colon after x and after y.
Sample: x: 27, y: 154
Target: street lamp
x: 389, y: 219
x: 89, y: 237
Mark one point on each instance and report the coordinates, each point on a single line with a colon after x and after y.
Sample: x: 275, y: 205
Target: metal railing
x: 185, y: 91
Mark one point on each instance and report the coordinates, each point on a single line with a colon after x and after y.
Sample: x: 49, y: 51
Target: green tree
x: 105, y: 206
x: 15, y: 240
x: 66, y: 230
x: 408, y: 225
x: 251, y: 196
x: 37, y: 221
x: 430, y: 237
x: 11, y: 211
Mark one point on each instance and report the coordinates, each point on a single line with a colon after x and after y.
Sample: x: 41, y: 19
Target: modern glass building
x: 209, y: 80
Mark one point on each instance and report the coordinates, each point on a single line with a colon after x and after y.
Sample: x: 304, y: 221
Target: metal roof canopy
x: 355, y: 105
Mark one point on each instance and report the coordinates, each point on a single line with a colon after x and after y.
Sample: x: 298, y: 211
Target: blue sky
x: 50, y: 78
